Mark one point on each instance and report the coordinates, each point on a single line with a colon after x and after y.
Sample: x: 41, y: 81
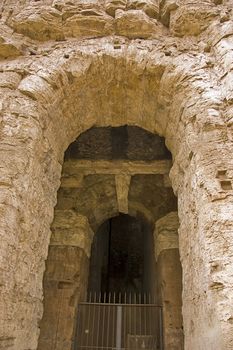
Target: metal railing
x: 119, y: 322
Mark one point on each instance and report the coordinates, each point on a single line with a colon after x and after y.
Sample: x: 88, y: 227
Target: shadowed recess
x: 124, y: 142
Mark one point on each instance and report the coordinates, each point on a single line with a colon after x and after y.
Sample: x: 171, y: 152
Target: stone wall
x: 100, y: 190
x: 125, y: 142
x: 86, y: 198
x: 65, y: 279
x: 170, y: 280
x: 67, y: 66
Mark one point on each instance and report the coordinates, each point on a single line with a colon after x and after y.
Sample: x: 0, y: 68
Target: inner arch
x: 114, y: 143
x: 122, y: 258
x: 119, y: 172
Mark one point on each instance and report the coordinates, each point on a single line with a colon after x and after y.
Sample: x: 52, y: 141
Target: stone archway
x: 53, y: 105
x: 106, y: 171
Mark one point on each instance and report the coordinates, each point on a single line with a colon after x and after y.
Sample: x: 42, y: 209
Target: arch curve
x: 55, y: 101
x: 108, y: 88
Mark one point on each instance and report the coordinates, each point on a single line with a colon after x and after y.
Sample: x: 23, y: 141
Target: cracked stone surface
x: 165, y: 66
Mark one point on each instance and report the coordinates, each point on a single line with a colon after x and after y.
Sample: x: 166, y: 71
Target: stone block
x: 135, y: 24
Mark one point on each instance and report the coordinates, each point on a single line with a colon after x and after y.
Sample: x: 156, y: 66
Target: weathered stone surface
x: 170, y: 279
x: 112, y: 5
x: 38, y: 23
x: 166, y: 235
x: 166, y: 8
x: 10, y: 45
x: 122, y: 189
x: 64, y: 285
x: 88, y: 21
x: 62, y: 20
x: 135, y: 24
x: 104, y: 191
x: 78, y: 168
x: 150, y: 7
x: 35, y: 87
x: 69, y: 228
x: 192, y: 19
x: 170, y: 282
x: 9, y: 80
x: 176, y: 84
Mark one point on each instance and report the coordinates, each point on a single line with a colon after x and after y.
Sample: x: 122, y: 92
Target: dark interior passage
x: 133, y: 290
x: 122, y: 288
x: 122, y: 259
x: 114, y: 143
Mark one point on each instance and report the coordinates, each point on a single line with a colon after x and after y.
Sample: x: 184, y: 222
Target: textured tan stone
x: 9, y: 50
x: 10, y: 45
x: 87, y: 22
x: 176, y: 84
x: 77, y: 167
x: 170, y: 279
x: 64, y: 286
x: 112, y: 5
x: 38, y: 23
x: 35, y: 87
x: 166, y: 8
x: 170, y: 282
x: 10, y: 80
x: 192, y: 19
x: 122, y: 189
x: 71, y: 229
x: 165, y: 234
x: 135, y: 24
x: 150, y: 7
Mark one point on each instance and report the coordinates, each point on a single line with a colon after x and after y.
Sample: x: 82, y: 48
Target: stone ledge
x: 71, y: 229
x: 117, y: 167
x: 166, y: 233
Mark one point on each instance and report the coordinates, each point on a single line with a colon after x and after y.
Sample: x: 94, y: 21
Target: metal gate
x: 110, y: 325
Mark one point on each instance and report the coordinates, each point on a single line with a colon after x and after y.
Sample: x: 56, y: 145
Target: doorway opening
x: 121, y: 310
x: 122, y: 259
x: 129, y: 261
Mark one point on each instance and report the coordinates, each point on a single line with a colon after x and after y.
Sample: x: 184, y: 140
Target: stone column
x: 205, y: 240
x: 65, y: 280
x: 169, y: 279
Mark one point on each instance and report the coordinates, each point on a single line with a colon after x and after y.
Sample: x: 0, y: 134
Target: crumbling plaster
x: 177, y: 83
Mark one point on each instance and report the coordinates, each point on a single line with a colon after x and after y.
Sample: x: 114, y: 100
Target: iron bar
x: 108, y: 321
x: 127, y: 305
x: 161, y: 327
x: 129, y: 324
x: 119, y: 327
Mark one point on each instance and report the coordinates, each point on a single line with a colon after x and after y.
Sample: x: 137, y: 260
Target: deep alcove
x: 114, y: 143
x: 122, y: 259
x: 113, y: 259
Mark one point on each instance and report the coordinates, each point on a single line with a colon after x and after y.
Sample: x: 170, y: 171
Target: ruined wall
x: 124, y: 142
x: 90, y: 194
x: 169, y: 279
x: 166, y: 67
x: 65, y: 279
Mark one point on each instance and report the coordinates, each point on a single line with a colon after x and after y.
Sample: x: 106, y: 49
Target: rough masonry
x: 162, y: 65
